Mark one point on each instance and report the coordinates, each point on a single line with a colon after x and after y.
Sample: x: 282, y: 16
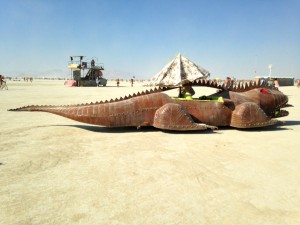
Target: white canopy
x: 178, y: 72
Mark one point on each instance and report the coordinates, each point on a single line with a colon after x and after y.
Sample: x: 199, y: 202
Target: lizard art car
x: 241, y: 106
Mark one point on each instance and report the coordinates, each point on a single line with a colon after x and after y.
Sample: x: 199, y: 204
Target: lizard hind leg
x: 173, y: 116
x: 249, y: 115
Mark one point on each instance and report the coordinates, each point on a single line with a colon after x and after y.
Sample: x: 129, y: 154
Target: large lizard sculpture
x: 241, y: 106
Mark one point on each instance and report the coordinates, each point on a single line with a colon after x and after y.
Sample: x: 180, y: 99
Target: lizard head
x: 272, y: 101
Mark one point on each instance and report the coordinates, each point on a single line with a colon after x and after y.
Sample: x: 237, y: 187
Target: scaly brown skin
x: 253, y: 108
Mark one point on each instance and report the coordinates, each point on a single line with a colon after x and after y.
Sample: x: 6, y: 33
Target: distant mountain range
x: 60, y: 73
x: 55, y: 73
x: 118, y: 74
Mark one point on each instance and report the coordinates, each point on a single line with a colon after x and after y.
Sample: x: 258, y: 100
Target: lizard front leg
x: 248, y: 115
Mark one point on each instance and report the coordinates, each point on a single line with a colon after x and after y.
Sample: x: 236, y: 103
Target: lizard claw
x: 212, y: 127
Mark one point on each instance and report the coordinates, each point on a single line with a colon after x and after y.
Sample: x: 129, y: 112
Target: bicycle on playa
x: 3, y: 85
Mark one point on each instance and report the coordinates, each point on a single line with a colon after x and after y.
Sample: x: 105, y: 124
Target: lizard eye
x: 264, y: 91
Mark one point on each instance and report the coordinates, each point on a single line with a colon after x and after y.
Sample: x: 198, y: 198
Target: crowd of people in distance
x: 27, y: 79
x: 269, y: 82
x: 118, y: 82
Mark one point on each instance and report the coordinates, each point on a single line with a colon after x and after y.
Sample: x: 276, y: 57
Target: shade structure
x: 179, y: 72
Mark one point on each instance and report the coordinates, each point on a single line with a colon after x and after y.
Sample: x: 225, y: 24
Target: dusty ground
x: 57, y: 171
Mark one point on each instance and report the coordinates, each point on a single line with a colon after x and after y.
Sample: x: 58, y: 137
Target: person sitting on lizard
x: 186, y: 92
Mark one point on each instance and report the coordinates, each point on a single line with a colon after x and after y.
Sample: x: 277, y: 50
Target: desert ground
x: 54, y: 170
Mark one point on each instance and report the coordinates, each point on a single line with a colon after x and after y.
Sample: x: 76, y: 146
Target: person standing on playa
x: 1, y: 79
x: 276, y: 83
x: 270, y: 83
x: 228, y: 82
x: 131, y: 80
x: 97, y: 81
x: 118, y: 82
x: 93, y: 62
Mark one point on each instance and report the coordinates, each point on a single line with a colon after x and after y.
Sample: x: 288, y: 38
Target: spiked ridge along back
x: 237, y: 87
x: 155, y: 90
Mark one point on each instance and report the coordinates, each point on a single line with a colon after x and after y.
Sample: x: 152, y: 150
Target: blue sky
x: 226, y: 37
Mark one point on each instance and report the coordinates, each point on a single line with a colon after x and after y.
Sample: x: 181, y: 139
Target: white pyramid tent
x: 179, y: 72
